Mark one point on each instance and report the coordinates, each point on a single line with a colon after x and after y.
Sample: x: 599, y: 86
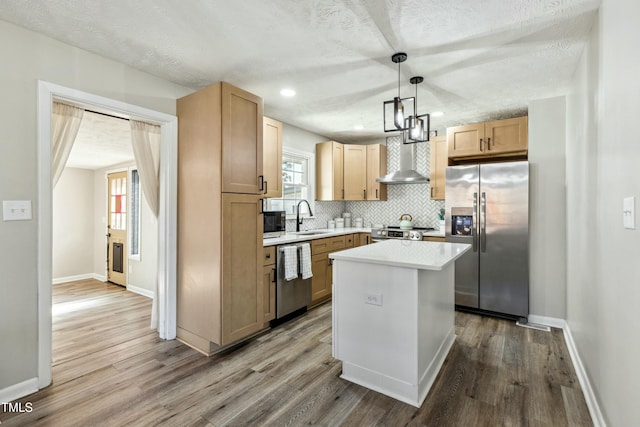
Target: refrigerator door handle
x: 483, y: 222
x: 474, y: 222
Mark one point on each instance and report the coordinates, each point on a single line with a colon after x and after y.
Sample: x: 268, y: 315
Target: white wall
x: 73, y: 224
x: 300, y: 139
x: 603, y: 268
x: 547, y: 218
x: 30, y: 57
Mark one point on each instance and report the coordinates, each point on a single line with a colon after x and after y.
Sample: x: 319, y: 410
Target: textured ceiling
x: 101, y: 141
x: 480, y: 59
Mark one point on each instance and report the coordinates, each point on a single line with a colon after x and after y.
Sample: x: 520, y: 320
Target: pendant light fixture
x: 399, y: 120
x: 417, y: 129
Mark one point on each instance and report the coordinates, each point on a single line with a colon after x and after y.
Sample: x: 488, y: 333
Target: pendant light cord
x: 398, y: 79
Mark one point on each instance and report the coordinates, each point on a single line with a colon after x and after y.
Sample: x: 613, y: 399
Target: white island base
x: 393, y: 326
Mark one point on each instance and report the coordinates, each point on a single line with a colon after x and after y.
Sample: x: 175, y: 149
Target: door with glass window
x: 117, y: 228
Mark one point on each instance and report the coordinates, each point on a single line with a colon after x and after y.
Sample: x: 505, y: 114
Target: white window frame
x: 311, y: 178
x: 132, y: 256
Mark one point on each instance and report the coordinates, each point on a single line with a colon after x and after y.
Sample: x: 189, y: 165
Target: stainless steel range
x: 394, y: 232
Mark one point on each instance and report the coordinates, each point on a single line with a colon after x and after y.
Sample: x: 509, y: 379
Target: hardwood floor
x: 110, y: 369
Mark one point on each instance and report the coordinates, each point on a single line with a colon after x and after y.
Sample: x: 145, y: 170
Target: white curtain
x: 65, y: 122
x: 145, y: 139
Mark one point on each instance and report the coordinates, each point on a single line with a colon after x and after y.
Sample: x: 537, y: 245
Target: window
x: 135, y: 214
x: 297, y: 183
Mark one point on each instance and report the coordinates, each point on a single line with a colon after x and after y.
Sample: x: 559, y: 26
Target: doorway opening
x: 165, y: 295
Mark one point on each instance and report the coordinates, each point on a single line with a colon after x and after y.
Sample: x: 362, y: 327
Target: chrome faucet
x: 298, y: 219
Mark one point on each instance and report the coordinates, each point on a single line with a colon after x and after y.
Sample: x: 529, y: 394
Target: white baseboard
x: 587, y: 390
x: 141, y: 291
x: 16, y: 391
x: 75, y: 278
x: 554, y: 322
x: 78, y: 277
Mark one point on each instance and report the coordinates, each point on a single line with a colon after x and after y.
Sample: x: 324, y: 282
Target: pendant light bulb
x: 398, y: 107
x: 398, y: 112
x: 416, y: 124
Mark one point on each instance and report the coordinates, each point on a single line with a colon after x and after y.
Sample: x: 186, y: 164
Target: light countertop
x: 292, y: 237
x: 405, y: 253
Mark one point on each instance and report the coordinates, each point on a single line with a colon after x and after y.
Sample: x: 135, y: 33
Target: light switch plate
x: 629, y: 213
x: 16, y: 210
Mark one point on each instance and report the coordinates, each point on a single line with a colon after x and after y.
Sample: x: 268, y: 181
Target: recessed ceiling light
x: 288, y: 93
x: 358, y: 127
x: 437, y: 114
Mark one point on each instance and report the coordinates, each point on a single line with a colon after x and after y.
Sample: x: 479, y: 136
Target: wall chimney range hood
x: 407, y: 173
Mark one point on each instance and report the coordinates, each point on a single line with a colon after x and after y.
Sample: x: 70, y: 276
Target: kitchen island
x: 393, y: 314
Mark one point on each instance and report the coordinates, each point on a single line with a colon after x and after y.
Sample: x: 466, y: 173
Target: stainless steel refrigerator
x: 487, y: 206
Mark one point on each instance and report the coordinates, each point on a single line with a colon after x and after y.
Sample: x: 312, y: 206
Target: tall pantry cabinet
x: 220, y: 182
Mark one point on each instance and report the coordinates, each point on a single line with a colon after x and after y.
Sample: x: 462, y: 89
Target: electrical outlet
x: 373, y: 299
x: 629, y: 213
x: 16, y: 210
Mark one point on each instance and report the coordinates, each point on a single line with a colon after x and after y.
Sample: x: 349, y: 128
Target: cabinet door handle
x: 261, y: 178
x: 480, y: 144
x: 274, y: 275
x: 343, y: 194
x: 266, y: 186
x: 489, y: 144
x: 364, y: 192
x: 261, y: 207
x: 268, y: 256
x: 376, y: 193
x: 432, y: 192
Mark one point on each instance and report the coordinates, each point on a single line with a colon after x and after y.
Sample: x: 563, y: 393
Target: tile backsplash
x: 412, y: 199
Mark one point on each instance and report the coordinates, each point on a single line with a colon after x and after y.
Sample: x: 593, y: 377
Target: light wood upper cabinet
x: 438, y: 165
x: 498, y: 138
x: 465, y: 140
x: 329, y: 171
x: 507, y: 136
x: 272, y: 157
x: 349, y: 171
x: 355, y: 172
x: 376, y: 167
x: 241, y: 141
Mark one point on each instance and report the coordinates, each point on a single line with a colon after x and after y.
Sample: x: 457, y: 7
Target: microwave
x: 275, y: 223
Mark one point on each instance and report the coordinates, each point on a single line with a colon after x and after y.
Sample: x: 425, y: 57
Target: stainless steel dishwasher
x: 291, y: 295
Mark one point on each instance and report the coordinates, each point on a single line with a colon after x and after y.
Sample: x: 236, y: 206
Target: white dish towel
x: 290, y: 262
x: 305, y: 261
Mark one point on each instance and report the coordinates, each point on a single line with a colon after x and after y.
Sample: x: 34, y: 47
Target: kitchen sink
x: 310, y: 232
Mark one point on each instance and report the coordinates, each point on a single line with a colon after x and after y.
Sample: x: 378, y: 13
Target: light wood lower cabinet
x: 365, y: 239
x: 269, y: 284
x: 433, y: 239
x: 242, y: 291
x: 322, y: 276
x: 321, y: 265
